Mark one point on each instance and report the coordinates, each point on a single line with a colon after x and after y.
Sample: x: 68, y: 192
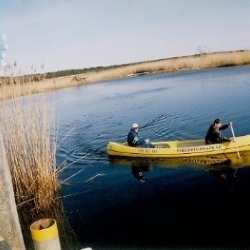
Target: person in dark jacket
x: 134, y: 140
x: 213, y: 133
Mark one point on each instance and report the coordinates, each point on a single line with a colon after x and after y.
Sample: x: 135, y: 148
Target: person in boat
x: 134, y: 140
x: 213, y: 133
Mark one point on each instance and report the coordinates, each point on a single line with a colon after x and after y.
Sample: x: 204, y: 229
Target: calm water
x: 181, y: 206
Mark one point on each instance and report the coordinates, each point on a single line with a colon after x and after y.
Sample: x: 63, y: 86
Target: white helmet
x: 135, y: 125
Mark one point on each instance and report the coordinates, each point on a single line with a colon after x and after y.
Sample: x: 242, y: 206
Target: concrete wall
x: 10, y: 230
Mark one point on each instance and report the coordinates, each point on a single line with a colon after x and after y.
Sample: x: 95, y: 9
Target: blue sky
x: 76, y: 34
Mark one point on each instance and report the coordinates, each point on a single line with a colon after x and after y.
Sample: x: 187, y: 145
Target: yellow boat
x: 182, y: 148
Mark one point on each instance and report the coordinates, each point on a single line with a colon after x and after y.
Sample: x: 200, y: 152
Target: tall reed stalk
x: 26, y: 123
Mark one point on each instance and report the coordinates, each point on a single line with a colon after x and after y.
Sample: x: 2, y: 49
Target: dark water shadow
x: 201, y: 209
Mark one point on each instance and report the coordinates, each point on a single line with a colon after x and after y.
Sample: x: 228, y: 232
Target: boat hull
x: 172, y: 149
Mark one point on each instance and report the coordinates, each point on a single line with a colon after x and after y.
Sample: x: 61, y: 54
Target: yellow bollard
x: 45, y: 235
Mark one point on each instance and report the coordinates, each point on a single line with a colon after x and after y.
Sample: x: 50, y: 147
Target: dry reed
x: 193, y: 62
x: 26, y: 124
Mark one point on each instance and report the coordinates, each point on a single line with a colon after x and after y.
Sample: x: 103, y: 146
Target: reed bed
x: 193, y: 62
x: 29, y: 131
x: 26, y: 125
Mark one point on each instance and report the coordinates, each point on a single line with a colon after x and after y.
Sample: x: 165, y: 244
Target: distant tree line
x: 41, y: 76
x: 62, y: 73
x: 69, y: 72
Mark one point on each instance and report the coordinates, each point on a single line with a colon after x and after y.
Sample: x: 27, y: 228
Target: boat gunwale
x: 183, y: 151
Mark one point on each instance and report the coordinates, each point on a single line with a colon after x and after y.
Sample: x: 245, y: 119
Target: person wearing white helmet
x: 134, y: 140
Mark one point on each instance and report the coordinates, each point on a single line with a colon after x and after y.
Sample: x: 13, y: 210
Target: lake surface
x: 177, y: 206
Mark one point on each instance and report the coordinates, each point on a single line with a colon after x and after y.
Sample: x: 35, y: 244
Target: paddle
x: 235, y: 141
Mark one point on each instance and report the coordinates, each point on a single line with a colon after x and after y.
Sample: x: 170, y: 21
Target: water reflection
x: 220, y: 165
x: 223, y: 170
x: 138, y: 167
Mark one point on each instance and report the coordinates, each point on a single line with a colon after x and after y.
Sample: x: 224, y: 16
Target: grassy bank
x: 193, y: 62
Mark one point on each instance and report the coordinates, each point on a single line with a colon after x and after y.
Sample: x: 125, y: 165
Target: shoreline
x: 191, y: 63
